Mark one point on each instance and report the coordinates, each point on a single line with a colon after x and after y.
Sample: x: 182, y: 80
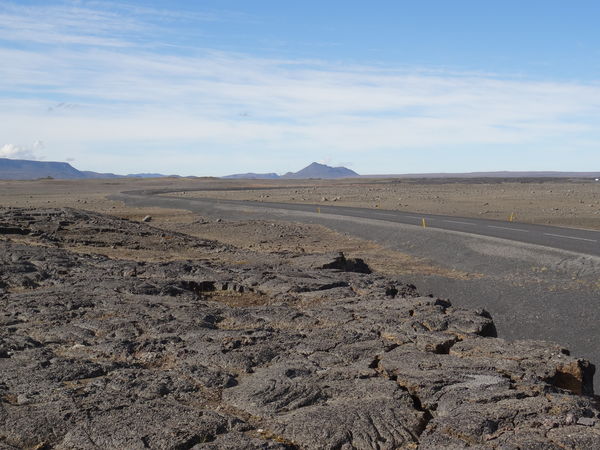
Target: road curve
x: 570, y: 239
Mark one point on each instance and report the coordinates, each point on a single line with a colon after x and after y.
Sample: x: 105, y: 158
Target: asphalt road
x: 570, y: 239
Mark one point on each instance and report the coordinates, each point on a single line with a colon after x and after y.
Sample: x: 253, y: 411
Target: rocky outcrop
x: 98, y: 352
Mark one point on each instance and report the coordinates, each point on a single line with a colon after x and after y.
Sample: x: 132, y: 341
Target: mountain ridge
x: 316, y: 170
x: 24, y: 169
x: 313, y: 170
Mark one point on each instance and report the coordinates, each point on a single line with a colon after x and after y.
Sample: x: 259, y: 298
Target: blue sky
x: 218, y: 87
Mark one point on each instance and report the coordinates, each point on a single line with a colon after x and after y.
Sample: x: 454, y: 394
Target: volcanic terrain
x: 117, y: 334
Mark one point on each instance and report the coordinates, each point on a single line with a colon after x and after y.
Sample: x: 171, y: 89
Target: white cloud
x: 19, y: 152
x: 158, y: 98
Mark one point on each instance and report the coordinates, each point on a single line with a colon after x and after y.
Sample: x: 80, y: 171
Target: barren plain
x: 194, y: 331
x: 561, y: 202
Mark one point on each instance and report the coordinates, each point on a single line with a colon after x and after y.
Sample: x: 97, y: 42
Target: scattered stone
x: 147, y: 219
x: 586, y: 421
x: 344, y: 264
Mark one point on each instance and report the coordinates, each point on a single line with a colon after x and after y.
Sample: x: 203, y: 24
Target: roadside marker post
x: 512, y: 217
x: 423, y: 223
x: 319, y: 210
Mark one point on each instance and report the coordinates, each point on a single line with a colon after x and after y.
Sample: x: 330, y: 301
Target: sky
x: 216, y: 87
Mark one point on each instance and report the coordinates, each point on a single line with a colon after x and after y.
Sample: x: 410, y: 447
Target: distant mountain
x: 314, y: 170
x: 148, y: 175
x: 254, y: 176
x: 22, y: 169
x: 90, y: 174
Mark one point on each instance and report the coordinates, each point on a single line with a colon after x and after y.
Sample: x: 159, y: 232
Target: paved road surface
x: 571, y: 239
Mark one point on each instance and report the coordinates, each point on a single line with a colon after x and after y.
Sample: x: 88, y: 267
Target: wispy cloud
x: 64, y: 25
x: 91, y: 23
x: 128, y: 92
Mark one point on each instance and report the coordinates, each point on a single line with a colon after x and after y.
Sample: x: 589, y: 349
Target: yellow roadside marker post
x: 319, y: 210
x: 512, y: 217
x: 424, y: 223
